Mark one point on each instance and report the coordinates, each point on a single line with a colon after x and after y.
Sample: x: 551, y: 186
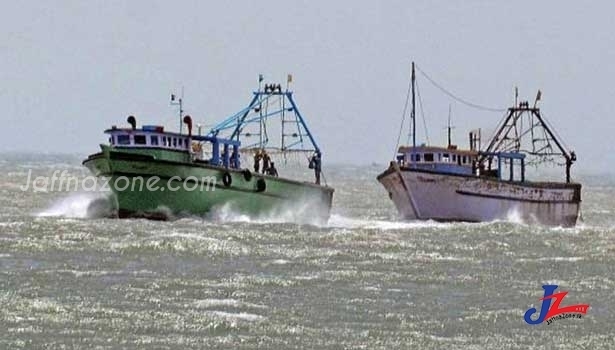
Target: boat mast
x: 181, y: 111
x: 413, y: 110
x: 449, y: 127
x: 260, y: 119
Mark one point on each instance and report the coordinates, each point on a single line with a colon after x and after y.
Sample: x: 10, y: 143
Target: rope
x: 498, y: 127
x: 459, y: 99
x: 403, y: 119
x: 418, y: 91
x: 554, y: 131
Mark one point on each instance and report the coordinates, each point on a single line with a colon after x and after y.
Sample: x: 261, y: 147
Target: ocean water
x: 366, y: 280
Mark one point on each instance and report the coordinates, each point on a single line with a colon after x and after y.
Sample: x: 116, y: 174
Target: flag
x: 289, y: 78
x: 538, y: 95
x: 172, y: 97
x: 260, y: 78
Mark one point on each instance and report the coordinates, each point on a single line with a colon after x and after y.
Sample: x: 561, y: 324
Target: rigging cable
x: 458, y: 99
x: 495, y: 131
x: 555, y: 133
x: 418, y: 92
x: 403, y: 119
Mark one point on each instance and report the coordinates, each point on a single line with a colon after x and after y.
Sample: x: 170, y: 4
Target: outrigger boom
x: 259, y: 110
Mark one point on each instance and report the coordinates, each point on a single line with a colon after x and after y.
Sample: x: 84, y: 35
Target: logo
x: 551, y: 309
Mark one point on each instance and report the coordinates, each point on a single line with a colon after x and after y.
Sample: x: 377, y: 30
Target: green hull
x: 160, y: 184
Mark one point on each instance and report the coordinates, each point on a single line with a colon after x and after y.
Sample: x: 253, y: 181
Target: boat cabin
x: 441, y: 159
x: 150, y: 136
x: 183, y: 147
x: 450, y: 160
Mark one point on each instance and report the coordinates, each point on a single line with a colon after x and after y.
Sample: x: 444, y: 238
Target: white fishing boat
x: 452, y: 184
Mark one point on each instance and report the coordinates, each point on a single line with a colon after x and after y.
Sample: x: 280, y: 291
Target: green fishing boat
x: 157, y: 174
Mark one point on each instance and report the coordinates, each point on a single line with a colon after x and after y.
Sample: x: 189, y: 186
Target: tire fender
x: 247, y: 175
x: 227, y: 180
x: 261, y: 185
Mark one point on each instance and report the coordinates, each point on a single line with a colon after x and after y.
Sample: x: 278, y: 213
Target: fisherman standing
x: 234, y: 159
x: 266, y: 162
x: 315, y: 164
x: 257, y: 161
x: 272, y: 170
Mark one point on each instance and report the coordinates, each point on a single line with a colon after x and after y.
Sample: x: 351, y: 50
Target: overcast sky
x: 68, y: 70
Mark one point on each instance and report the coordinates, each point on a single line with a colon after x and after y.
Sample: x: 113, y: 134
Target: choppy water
x: 365, y: 280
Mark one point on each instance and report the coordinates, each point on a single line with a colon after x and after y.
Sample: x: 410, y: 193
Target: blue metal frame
x: 239, y: 120
x: 227, y: 159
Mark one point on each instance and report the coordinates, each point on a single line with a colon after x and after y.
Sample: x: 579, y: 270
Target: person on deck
x: 272, y: 170
x: 234, y: 160
x: 315, y: 164
x: 266, y: 162
x: 257, y: 161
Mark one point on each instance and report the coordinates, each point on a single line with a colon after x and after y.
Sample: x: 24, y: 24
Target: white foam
x: 207, y: 303
x: 338, y: 221
x: 74, y: 205
x: 280, y: 262
x: 554, y: 258
x: 216, y: 302
x: 231, y: 316
x: 298, y: 213
x: 514, y: 216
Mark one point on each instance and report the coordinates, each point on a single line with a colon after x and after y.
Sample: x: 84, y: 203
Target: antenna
x: 181, y: 107
x: 449, y: 127
x: 289, y: 79
x: 538, y: 96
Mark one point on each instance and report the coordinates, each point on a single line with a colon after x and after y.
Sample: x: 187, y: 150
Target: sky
x: 70, y: 69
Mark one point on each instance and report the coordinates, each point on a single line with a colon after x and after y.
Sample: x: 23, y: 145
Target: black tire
x: 226, y: 179
x: 247, y: 175
x: 261, y: 185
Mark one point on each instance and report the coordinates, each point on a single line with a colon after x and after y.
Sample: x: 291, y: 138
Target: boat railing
x: 504, y: 158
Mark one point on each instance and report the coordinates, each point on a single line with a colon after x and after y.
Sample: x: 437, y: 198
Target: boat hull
x: 145, y: 186
x: 421, y: 194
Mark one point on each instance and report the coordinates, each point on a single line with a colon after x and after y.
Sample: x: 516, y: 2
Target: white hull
x: 429, y: 195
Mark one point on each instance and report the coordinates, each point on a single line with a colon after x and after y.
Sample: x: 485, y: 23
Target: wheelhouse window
x: 153, y: 140
x: 428, y: 157
x: 454, y: 158
x: 445, y: 157
x: 140, y: 140
x: 175, y: 142
x: 123, y: 139
x: 185, y: 143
